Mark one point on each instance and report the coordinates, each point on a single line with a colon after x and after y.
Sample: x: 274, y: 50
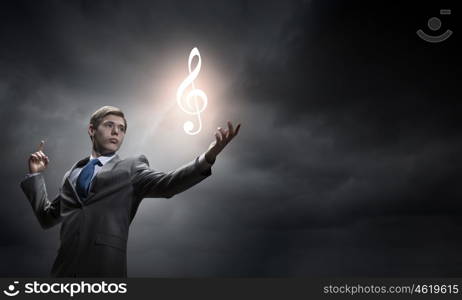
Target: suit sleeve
x: 47, y: 212
x: 149, y: 183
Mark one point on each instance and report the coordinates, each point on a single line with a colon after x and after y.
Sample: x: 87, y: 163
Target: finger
x: 224, y: 139
x: 223, y: 132
x: 235, y: 132
x: 40, y: 155
x: 218, y: 137
x: 47, y: 160
x: 230, y: 128
x: 34, y: 157
x: 237, y: 129
x: 226, y: 134
x: 41, y: 145
x: 220, y: 134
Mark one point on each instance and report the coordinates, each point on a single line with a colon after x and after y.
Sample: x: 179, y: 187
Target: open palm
x: 222, y: 138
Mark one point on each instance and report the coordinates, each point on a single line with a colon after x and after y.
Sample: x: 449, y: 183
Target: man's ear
x: 91, y: 131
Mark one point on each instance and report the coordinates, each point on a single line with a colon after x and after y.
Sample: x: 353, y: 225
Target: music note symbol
x: 192, y: 107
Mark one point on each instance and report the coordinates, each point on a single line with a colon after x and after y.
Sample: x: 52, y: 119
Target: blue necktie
x: 84, y: 179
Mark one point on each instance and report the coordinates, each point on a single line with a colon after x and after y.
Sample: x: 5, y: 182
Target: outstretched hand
x: 222, y: 138
x: 38, y: 161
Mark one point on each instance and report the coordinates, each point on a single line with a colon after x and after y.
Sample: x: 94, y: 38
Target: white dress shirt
x: 76, y: 172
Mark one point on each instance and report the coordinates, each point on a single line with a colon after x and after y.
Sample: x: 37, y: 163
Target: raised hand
x: 222, y: 138
x: 38, y: 161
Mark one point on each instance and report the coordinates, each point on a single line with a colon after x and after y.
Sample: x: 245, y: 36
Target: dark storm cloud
x: 356, y: 76
x: 349, y: 146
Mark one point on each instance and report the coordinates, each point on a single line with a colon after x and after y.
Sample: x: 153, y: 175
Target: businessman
x: 99, y: 196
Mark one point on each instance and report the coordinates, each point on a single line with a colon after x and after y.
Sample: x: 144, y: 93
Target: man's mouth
x: 114, y: 141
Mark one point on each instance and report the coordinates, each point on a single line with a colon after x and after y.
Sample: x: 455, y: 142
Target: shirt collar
x: 103, y: 159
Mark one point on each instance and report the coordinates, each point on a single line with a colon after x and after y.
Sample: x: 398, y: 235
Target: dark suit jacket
x: 94, y: 232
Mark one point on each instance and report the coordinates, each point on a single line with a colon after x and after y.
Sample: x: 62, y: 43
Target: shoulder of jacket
x: 136, y: 159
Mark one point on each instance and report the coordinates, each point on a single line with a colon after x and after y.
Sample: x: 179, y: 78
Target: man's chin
x: 109, y: 150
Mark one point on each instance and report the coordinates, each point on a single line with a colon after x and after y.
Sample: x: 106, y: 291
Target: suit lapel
x: 78, y: 164
x: 105, y: 170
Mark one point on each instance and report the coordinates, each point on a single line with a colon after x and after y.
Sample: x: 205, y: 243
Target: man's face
x: 109, y: 135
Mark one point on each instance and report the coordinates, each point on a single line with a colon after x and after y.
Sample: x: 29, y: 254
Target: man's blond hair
x: 99, y: 114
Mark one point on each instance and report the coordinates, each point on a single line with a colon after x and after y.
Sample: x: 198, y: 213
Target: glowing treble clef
x: 194, y: 94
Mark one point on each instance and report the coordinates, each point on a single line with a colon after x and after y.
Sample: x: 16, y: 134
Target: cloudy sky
x: 347, y: 163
